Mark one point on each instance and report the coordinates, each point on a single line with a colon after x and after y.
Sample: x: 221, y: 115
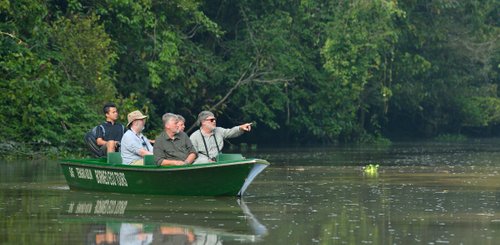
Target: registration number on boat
x: 101, y: 176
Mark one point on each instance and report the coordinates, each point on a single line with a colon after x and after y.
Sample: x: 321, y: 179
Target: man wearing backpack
x: 109, y: 133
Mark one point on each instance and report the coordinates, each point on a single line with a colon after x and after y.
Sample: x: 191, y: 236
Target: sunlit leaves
x: 40, y: 108
x: 323, y: 70
x: 359, y: 47
x: 85, y: 54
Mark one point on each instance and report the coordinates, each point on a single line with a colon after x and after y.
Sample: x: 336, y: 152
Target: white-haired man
x: 173, y: 147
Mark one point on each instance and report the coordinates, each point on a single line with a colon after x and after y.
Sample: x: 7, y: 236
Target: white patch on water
x: 60, y: 187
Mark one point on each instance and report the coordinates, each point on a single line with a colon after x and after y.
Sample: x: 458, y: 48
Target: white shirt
x: 131, y: 144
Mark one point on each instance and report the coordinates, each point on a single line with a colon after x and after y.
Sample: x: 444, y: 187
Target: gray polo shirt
x: 218, y: 134
x: 131, y: 144
x: 177, y: 148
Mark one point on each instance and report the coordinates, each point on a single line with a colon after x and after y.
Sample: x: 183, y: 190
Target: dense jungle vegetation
x: 303, y: 70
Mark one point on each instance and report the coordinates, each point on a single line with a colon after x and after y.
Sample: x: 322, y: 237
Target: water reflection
x: 138, y: 233
x: 402, y: 205
x: 100, y: 207
x: 127, y: 221
x: 421, y: 194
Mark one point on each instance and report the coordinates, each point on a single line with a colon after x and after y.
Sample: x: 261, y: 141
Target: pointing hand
x: 246, y: 127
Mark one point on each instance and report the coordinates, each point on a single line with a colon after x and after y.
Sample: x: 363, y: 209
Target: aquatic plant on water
x: 371, y: 170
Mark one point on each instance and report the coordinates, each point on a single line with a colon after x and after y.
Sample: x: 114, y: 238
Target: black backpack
x: 90, y: 139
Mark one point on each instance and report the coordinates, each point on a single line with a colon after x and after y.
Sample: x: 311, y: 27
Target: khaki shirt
x: 177, y: 148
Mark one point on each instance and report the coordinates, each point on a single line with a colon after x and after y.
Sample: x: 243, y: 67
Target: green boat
x: 229, y: 176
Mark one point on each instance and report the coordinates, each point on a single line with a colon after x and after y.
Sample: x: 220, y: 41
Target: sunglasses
x: 211, y: 119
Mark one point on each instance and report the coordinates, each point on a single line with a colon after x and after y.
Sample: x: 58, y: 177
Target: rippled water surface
x: 422, y: 193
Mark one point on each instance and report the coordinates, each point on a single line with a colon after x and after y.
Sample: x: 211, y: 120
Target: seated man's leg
x: 138, y: 162
x: 111, y: 145
x: 103, y: 149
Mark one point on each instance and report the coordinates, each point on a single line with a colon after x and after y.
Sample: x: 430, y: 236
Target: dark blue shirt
x: 111, y: 131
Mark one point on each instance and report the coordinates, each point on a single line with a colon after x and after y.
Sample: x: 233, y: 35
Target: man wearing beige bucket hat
x: 134, y: 145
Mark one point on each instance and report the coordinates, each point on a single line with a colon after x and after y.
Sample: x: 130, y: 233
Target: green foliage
x: 441, y: 73
x: 47, y: 73
x: 4, y: 5
x: 39, y: 107
x: 263, y: 67
x: 480, y: 111
x: 85, y: 55
x: 323, y: 71
x: 374, y: 139
x: 451, y: 138
x: 357, y: 52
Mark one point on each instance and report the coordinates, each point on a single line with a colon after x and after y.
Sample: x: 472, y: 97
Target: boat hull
x: 215, y: 179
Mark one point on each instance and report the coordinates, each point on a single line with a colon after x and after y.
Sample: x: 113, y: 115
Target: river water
x: 421, y: 193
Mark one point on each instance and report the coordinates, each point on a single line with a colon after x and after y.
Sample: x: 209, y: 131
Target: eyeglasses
x: 211, y: 119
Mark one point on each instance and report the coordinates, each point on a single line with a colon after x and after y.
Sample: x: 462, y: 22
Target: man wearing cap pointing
x: 134, y: 145
x: 209, y: 139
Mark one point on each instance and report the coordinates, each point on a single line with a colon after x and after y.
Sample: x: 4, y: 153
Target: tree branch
x: 19, y: 40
